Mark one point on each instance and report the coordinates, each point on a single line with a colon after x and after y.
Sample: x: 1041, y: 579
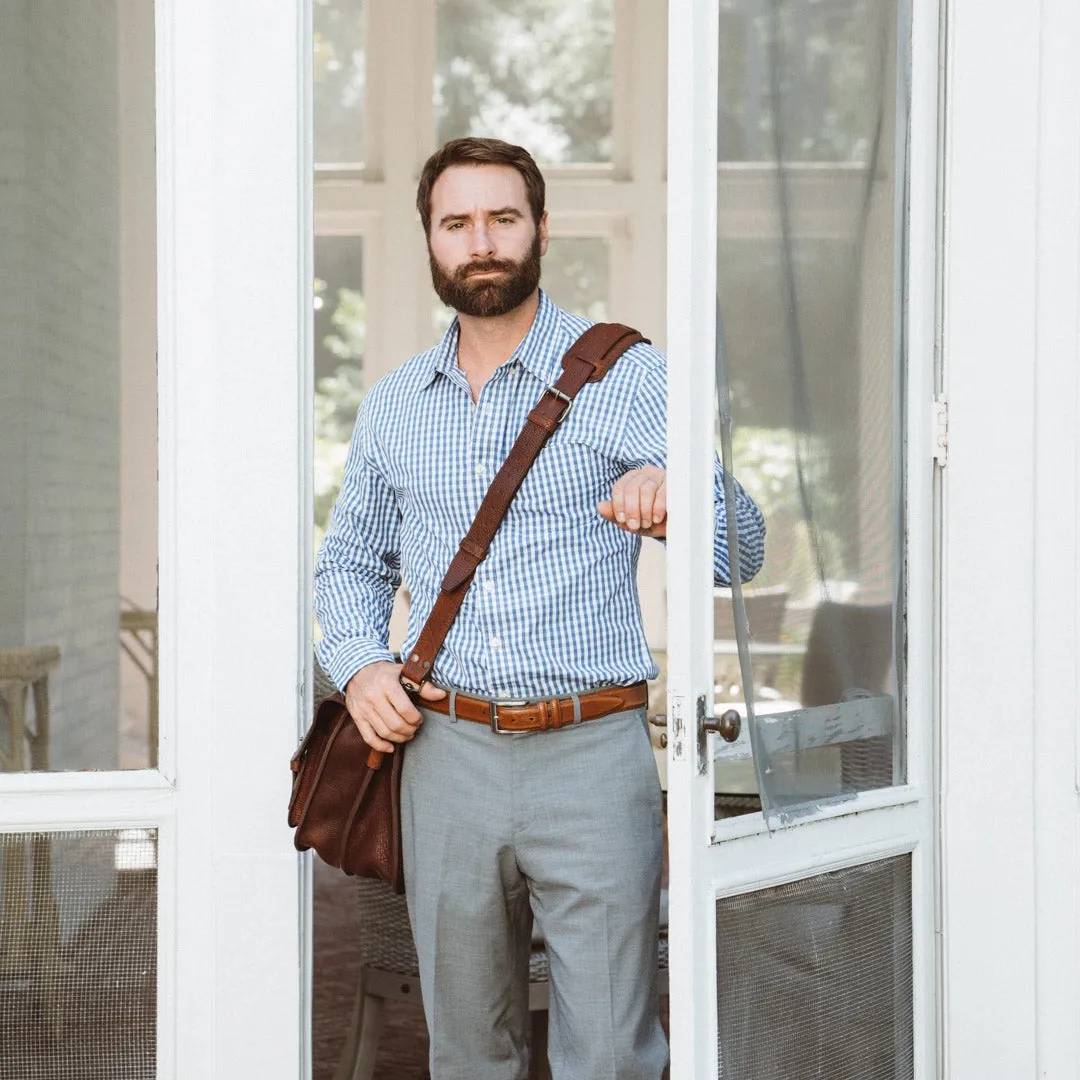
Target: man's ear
x: 542, y: 233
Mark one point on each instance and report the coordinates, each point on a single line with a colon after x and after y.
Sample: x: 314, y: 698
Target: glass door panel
x: 78, y: 411
x: 808, y: 283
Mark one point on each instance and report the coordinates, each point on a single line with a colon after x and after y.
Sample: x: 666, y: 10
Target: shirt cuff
x: 351, y: 656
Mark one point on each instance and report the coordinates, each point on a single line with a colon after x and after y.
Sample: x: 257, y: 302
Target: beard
x: 487, y: 298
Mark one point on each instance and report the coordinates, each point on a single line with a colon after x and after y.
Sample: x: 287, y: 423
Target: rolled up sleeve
x: 645, y: 443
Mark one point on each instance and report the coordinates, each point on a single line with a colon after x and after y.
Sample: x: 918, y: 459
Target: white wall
x: 59, y: 547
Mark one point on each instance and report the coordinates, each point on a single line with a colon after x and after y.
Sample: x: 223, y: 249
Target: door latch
x: 727, y: 727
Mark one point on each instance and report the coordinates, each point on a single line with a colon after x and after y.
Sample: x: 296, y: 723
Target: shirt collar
x: 539, y: 351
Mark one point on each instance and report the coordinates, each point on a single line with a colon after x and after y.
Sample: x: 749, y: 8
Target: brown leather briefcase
x: 346, y: 803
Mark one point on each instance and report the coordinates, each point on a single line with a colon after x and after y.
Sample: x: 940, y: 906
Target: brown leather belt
x: 510, y: 717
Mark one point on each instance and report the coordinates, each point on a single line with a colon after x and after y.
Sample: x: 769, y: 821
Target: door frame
x: 707, y: 859
x: 1010, y: 817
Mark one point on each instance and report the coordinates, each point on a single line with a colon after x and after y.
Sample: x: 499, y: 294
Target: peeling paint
x: 678, y: 727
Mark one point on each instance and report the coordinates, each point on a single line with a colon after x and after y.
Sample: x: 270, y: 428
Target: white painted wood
x: 820, y: 848
x: 55, y: 801
x: 691, y: 309
x: 754, y: 824
x: 397, y: 286
x: 232, y: 650
x: 1056, y: 641
x: 305, y: 375
x: 989, y: 339
x: 923, y: 687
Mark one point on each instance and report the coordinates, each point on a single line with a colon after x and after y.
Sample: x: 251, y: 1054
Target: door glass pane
x: 809, y: 291
x: 576, y: 274
x: 532, y: 72
x: 814, y: 978
x: 339, y: 77
x: 78, y: 344
x: 78, y: 955
x: 810, y: 97
x: 340, y: 326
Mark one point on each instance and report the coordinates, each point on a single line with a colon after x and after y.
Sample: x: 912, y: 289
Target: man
x: 561, y: 825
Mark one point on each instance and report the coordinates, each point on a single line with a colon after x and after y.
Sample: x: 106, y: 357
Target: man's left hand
x: 638, y: 502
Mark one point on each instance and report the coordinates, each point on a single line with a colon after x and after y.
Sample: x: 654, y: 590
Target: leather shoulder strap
x: 587, y: 360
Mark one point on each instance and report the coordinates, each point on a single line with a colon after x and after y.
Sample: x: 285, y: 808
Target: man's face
x: 484, y: 247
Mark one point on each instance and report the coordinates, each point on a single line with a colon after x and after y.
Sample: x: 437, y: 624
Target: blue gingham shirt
x: 553, y: 609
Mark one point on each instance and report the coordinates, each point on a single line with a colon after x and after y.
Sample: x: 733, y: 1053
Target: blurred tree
x: 822, y: 61
x: 534, y: 72
x: 337, y: 397
x: 339, y: 79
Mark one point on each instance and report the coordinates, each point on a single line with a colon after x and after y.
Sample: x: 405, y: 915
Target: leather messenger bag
x: 346, y: 797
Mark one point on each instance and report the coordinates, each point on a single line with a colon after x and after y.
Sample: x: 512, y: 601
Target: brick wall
x: 59, y: 359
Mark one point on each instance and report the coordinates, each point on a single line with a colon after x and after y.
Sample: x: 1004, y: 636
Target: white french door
x: 160, y: 182
x: 801, y: 292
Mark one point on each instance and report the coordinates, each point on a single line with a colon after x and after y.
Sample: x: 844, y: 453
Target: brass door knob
x: 727, y: 727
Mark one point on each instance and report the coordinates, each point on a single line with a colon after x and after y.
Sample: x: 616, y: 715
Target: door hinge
x: 940, y: 431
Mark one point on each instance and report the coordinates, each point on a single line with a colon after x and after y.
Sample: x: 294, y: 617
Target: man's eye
x: 505, y: 221
x: 455, y: 225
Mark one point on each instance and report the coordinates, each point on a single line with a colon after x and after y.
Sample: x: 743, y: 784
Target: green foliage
x: 765, y: 465
x: 814, y: 67
x: 534, y: 72
x: 339, y: 75
x: 337, y: 398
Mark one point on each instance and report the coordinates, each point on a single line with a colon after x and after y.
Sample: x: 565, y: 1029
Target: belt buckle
x: 493, y: 713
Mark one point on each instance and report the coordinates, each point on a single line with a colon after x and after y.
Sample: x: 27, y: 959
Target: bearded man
x: 558, y: 826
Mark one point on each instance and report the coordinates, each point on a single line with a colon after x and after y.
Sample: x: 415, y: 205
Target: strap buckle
x: 565, y: 413
x: 493, y: 713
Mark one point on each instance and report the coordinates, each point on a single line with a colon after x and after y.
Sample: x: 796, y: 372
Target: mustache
x: 506, y: 265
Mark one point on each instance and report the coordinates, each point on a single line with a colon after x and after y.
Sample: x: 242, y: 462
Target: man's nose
x: 481, y: 240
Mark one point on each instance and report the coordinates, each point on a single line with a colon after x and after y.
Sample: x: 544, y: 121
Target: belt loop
x: 453, y: 706
x: 576, y: 699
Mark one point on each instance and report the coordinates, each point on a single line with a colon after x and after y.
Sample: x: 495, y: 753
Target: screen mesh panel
x: 814, y: 978
x: 78, y: 955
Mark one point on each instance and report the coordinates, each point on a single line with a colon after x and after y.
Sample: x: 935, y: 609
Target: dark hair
x: 480, y: 152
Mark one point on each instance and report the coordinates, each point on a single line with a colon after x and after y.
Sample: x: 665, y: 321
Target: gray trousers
x: 563, y: 826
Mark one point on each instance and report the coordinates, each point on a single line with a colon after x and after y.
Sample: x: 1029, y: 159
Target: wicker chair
x: 389, y: 972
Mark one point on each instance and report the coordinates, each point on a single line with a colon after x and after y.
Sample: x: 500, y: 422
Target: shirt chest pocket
x: 574, y: 471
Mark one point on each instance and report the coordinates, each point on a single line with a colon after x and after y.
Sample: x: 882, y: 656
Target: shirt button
x: 478, y: 468
x: 504, y: 693
x: 495, y: 642
x: 489, y: 586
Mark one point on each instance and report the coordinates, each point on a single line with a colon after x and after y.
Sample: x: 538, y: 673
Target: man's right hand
x: 383, y: 713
